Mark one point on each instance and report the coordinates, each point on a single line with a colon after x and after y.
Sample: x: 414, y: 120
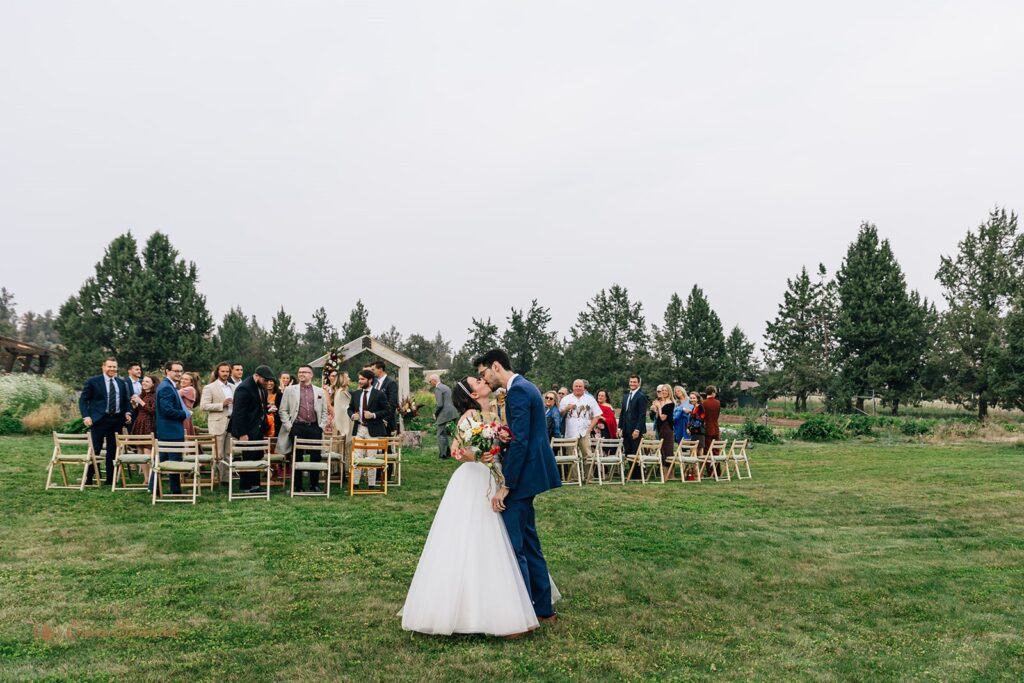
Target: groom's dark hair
x: 492, y: 356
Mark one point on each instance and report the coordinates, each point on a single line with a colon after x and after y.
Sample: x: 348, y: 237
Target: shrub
x: 43, y: 419
x: 861, y: 425
x: 75, y: 426
x: 758, y: 432
x: 821, y: 428
x: 22, y: 393
x: 9, y: 423
x: 200, y: 419
x: 426, y: 401
x: 917, y: 427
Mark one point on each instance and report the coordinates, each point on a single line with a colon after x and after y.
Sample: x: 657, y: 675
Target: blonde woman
x: 661, y: 410
x: 681, y: 413
x: 342, y: 399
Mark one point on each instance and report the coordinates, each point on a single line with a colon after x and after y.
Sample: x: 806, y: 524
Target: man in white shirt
x: 580, y: 413
x: 237, y: 374
x: 216, y: 400
x: 135, y: 378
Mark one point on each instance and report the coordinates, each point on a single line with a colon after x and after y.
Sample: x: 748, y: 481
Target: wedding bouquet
x: 480, y: 437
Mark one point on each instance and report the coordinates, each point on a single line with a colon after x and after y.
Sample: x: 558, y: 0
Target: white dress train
x: 468, y: 579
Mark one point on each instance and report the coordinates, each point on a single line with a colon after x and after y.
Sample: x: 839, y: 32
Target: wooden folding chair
x: 72, y: 450
x: 206, y: 452
x: 189, y: 464
x: 277, y: 460
x: 367, y: 455
x: 236, y: 465
x: 737, y: 455
x: 647, y: 458
x: 395, y: 460
x: 339, y: 446
x: 606, y: 457
x: 685, y: 456
x: 569, y: 460
x: 714, y: 456
x: 327, y: 456
x: 129, y: 454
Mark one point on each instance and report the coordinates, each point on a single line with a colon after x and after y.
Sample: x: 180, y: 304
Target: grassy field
x: 859, y: 561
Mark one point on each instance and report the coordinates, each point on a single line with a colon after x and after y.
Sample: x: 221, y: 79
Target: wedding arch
x: 367, y: 343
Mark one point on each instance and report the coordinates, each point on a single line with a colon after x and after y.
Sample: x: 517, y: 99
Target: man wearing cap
x: 248, y: 417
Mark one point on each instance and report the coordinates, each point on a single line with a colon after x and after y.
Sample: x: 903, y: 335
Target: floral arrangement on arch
x: 334, y: 360
x: 408, y: 408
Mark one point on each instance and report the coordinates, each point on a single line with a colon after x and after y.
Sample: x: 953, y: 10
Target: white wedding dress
x: 468, y: 579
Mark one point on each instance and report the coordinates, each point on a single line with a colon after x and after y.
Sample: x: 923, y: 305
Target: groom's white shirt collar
x: 511, y: 379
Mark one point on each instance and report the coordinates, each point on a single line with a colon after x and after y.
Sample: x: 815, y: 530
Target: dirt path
x: 773, y: 421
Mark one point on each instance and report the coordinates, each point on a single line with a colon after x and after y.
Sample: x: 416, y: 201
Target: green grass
x: 857, y: 561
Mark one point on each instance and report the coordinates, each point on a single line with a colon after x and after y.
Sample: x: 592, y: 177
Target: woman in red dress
x: 609, y: 428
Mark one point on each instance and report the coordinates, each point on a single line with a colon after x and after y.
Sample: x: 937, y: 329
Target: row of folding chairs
x: 200, y: 464
x: 607, y: 461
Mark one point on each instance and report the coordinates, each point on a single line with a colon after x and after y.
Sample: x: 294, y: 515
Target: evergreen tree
x: 798, y: 342
x: 608, y: 341
x: 483, y: 336
x: 978, y: 284
x: 8, y: 314
x: 420, y: 349
x: 526, y: 335
x: 739, y: 364
x: 320, y: 336
x: 284, y: 343
x: 702, y: 357
x: 392, y: 339
x: 233, y: 340
x: 668, y: 341
x: 358, y: 323
x: 170, y: 319
x: 38, y: 329
x: 98, y: 321
x: 1008, y: 378
x: 441, y: 352
x: 879, y: 328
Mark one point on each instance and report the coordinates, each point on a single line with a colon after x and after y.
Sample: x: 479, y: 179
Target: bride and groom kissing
x: 482, y: 569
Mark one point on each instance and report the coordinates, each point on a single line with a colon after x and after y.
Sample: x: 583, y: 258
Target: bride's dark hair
x: 461, y: 398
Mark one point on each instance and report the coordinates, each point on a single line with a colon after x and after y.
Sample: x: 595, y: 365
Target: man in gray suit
x: 303, y: 415
x: 443, y: 414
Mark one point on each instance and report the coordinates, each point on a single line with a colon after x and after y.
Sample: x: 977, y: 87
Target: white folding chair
x: 206, y: 453
x: 327, y: 456
x: 339, y: 446
x: 648, y: 459
x: 175, y: 467
x: 685, y: 456
x: 569, y: 460
x: 129, y: 454
x: 737, y: 455
x: 237, y: 464
x: 714, y: 456
x: 607, y: 456
x: 395, y: 460
x: 72, y: 450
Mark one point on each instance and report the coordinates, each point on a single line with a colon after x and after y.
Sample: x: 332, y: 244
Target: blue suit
x: 93, y: 403
x: 529, y: 468
x: 170, y: 423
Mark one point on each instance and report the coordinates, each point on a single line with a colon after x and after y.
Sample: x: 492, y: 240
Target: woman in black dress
x: 662, y: 410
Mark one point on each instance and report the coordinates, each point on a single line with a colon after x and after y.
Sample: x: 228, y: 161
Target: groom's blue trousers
x: 522, y: 532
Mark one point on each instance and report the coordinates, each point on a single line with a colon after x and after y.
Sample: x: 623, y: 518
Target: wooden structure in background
x: 12, y: 350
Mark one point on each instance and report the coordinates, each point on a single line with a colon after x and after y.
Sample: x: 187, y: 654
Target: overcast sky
x: 442, y: 160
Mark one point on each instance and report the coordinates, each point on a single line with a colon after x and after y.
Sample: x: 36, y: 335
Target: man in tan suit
x: 216, y: 400
x: 303, y: 415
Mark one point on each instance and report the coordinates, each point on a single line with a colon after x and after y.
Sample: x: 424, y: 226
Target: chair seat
x: 689, y: 460
x: 566, y: 458
x: 203, y: 457
x: 133, y: 458
x: 739, y: 458
x: 72, y: 457
x: 608, y: 460
x: 175, y: 466
x: 277, y: 457
x: 311, y: 466
x: 249, y: 464
x: 369, y: 462
x: 719, y: 458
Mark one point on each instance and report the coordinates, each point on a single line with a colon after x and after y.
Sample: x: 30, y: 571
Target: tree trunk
x: 982, y: 408
x: 860, y: 404
x: 895, y: 406
x: 801, y: 402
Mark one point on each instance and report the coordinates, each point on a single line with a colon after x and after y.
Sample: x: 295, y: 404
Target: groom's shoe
x: 550, y: 621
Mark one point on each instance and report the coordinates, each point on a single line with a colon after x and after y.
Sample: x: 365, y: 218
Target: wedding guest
x: 342, y: 399
x: 303, y: 416
x: 329, y: 386
x: 444, y: 413
x: 187, y: 391
x: 270, y: 429
x: 135, y: 378
x: 390, y: 389
x: 367, y: 409
x: 632, y: 416
x: 695, y: 425
x: 581, y: 413
x: 237, y: 372
x: 104, y: 407
x: 562, y: 393
x: 661, y: 412
x: 681, y: 413
x: 216, y: 399
x: 171, y: 415
x: 285, y: 380
x: 144, y: 422
x: 712, y: 408
x: 248, y: 417
x: 607, y: 427
x: 552, y: 415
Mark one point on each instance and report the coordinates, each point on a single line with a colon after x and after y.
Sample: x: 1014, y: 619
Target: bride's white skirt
x: 468, y: 579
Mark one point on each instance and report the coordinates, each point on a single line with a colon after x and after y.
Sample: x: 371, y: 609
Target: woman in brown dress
x: 144, y: 419
x: 661, y: 410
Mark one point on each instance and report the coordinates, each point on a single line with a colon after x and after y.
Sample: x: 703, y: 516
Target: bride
x: 468, y: 579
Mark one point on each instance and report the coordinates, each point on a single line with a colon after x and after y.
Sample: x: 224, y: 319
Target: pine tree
x: 284, y: 343
x: 526, y: 335
x: 320, y: 335
x: 358, y: 323
x: 233, y: 340
x: 483, y: 336
x: 8, y: 314
x: 879, y: 327
x: 1008, y: 377
x: 608, y: 341
x: 739, y: 364
x: 420, y: 349
x: 392, y: 338
x: 441, y: 352
x: 38, y: 329
x: 668, y: 341
x: 798, y: 342
x: 979, y: 284
x: 701, y: 343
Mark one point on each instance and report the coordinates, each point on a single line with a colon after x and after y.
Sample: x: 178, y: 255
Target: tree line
x: 859, y: 333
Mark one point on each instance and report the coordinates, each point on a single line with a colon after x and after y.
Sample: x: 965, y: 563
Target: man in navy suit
x: 171, y: 414
x: 529, y: 468
x: 105, y: 407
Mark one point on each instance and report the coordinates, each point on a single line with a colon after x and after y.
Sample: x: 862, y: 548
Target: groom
x: 529, y: 468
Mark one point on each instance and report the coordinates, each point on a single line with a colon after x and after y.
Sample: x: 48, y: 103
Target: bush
x: 862, y: 425
x: 821, y: 428
x: 10, y: 423
x: 758, y: 432
x: 917, y: 427
x: 21, y: 393
x: 43, y: 419
x: 75, y: 426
